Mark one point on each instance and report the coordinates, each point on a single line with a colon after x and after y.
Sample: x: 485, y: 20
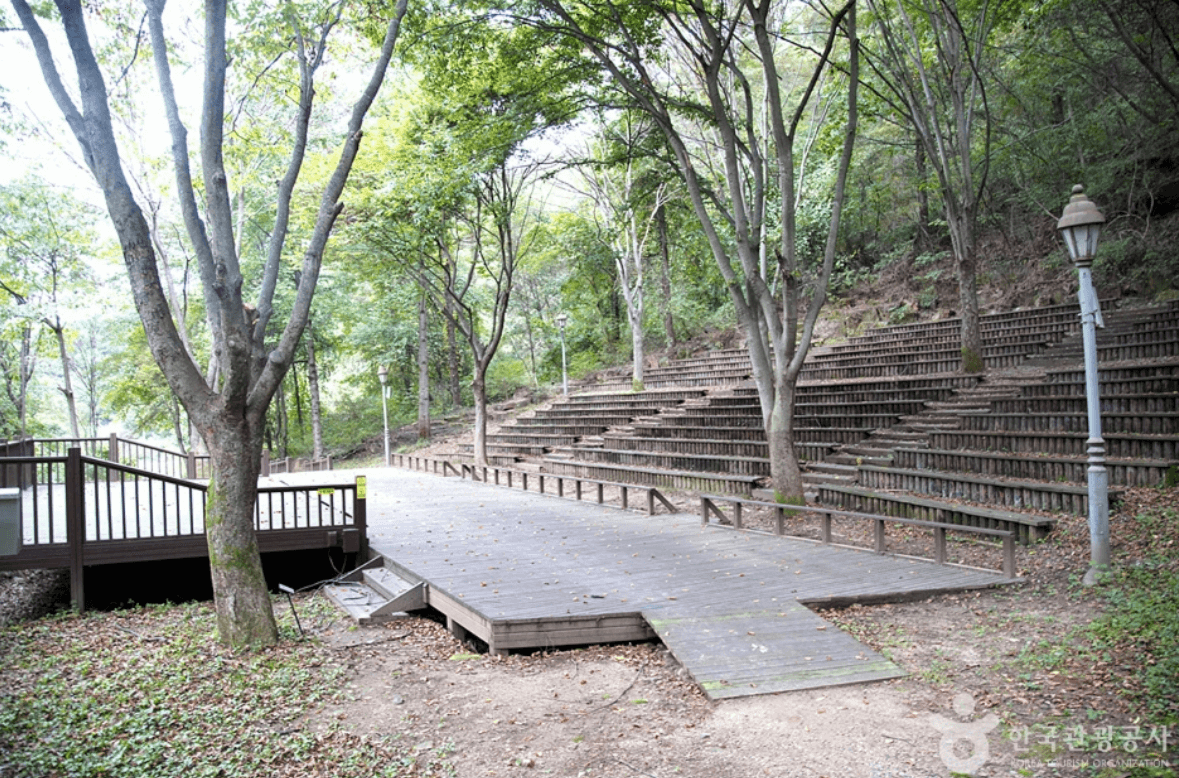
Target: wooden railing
x: 292, y: 465
x: 134, y: 453
x: 79, y: 510
x: 505, y: 476
x: 709, y: 508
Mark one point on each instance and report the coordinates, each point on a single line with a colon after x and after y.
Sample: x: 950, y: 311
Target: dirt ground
x: 999, y: 660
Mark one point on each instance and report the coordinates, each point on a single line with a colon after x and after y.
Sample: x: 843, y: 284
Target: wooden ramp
x: 524, y: 571
x: 740, y: 652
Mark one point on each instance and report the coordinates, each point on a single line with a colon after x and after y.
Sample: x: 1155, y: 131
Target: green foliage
x: 1142, y: 618
x: 147, y: 693
x: 972, y: 361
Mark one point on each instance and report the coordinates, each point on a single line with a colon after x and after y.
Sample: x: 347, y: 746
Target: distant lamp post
x: 383, y: 374
x: 1080, y: 227
x: 561, y: 319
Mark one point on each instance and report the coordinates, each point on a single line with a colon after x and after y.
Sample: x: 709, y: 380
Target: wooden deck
x: 524, y: 571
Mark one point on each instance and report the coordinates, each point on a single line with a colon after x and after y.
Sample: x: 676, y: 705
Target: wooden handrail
x: 708, y: 507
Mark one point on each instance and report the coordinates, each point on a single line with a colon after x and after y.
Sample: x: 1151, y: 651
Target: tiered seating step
x: 738, y: 448
x: 1123, y: 445
x: 1077, y: 403
x: 667, y: 479
x: 1141, y: 423
x: 1132, y: 472
x: 662, y: 459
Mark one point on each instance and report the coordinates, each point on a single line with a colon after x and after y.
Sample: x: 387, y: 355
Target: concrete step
x: 375, y: 595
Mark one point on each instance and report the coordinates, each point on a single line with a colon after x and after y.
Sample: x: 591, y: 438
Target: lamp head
x: 383, y: 374
x: 561, y: 319
x: 1080, y: 226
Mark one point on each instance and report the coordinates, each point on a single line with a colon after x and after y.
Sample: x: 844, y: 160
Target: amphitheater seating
x: 887, y: 422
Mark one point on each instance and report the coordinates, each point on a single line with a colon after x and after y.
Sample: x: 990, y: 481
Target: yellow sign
x: 361, y: 487
x: 326, y: 490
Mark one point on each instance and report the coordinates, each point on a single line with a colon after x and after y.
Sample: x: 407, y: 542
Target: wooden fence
x: 78, y: 510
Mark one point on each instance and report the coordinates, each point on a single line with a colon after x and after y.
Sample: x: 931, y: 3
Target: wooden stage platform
x: 525, y: 571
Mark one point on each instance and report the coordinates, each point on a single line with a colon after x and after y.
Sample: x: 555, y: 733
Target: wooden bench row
x: 1077, y: 403
x: 783, y: 514
x: 1142, y: 423
x: 696, y: 463
x: 1034, y: 495
x: 801, y: 434
x: 1033, y: 338
x: 1059, y: 443
x: 756, y: 447
x: 668, y: 396
x: 1027, y: 527
x: 1163, y: 369
x: 667, y: 479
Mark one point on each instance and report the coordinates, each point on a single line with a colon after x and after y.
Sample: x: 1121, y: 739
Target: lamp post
x: 1080, y: 226
x: 561, y: 319
x: 383, y: 374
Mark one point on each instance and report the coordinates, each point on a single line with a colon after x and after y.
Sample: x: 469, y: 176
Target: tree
x: 44, y: 235
x: 627, y: 205
x: 931, y: 61
x: 711, y: 71
x: 228, y: 412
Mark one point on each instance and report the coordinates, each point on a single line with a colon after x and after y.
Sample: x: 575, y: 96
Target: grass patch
x: 1142, y: 620
x: 150, y: 692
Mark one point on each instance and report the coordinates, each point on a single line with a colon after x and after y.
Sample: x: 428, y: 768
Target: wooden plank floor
x: 528, y: 571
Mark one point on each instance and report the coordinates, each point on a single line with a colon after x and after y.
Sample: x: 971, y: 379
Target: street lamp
x: 383, y: 374
x: 1080, y: 227
x: 561, y: 319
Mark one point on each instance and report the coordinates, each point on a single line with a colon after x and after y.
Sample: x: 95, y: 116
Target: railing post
x: 939, y: 545
x: 76, y: 526
x: 112, y: 451
x: 540, y: 483
x: 825, y: 525
x: 625, y: 501
x: 650, y: 502
x: 265, y: 472
x: 737, y: 506
x: 560, y: 486
x: 780, y: 521
x: 879, y: 536
x: 600, y: 498
x: 1009, y: 555
x: 704, y: 511
x: 191, y: 465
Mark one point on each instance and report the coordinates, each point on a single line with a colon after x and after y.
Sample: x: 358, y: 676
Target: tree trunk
x: 313, y: 391
x: 67, y: 385
x: 280, y: 421
x: 242, y: 601
x: 972, y: 344
x: 785, y: 472
x: 28, y: 363
x: 456, y: 388
x: 636, y: 344
x: 423, y: 368
x: 924, y: 232
x: 479, y: 390
x: 665, y: 275
x: 177, y: 426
